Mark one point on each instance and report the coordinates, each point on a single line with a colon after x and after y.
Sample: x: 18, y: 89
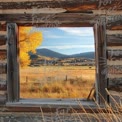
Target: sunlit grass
x: 56, y: 82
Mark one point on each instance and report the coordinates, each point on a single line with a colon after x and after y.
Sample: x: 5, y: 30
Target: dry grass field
x: 56, y: 81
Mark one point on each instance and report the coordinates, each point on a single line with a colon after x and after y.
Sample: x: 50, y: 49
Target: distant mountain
x: 85, y: 55
x: 50, y: 53
x: 53, y: 54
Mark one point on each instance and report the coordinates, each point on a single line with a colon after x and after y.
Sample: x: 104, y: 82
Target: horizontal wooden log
x: 3, y: 93
x: 114, y: 40
x: 115, y: 88
x: 3, y: 68
x: 3, y: 33
x: 71, y: 109
x: 68, y: 5
x: 114, y: 47
x: 114, y: 63
x: 115, y: 27
x: 114, y: 22
x: 49, y: 18
x: 114, y: 32
x: 3, y: 26
x: 3, y: 54
x: 115, y: 101
x: 115, y: 82
x: 115, y: 98
x: 3, y: 87
x: 114, y: 75
x: 68, y: 24
x: 109, y: 14
x: 115, y: 69
x: 3, y: 47
x: 3, y: 100
x: 2, y: 40
x: 114, y: 55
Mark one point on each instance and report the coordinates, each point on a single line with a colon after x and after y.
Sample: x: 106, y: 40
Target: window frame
x: 13, y: 87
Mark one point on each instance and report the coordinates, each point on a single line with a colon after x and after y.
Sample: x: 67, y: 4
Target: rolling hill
x: 53, y: 54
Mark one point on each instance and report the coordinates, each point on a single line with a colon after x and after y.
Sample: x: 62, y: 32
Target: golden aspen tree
x: 28, y: 42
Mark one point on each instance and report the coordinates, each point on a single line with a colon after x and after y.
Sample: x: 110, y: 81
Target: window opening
x: 56, y: 62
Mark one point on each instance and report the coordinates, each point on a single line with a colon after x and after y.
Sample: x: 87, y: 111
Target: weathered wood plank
x: 115, y: 69
x: 110, y: 13
x: 68, y: 5
x: 12, y: 63
x: 114, y: 55
x: 57, y: 24
x: 114, y: 22
x: 114, y: 32
x: 114, y: 47
x: 114, y: 40
x: 3, y: 54
x: 3, y: 100
x: 115, y: 81
x: 114, y: 63
x: 115, y: 100
x: 3, y: 32
x: 115, y: 26
x: 3, y: 26
x: 3, y: 47
x: 49, y: 18
x: 47, y: 109
x: 116, y: 89
x: 3, y: 93
x: 2, y: 40
x: 3, y: 68
x: 3, y: 87
x: 114, y: 75
x: 100, y: 39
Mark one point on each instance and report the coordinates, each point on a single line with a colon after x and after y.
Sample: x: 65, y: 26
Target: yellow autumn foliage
x: 28, y: 42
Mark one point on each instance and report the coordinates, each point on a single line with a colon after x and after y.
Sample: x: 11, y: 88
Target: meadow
x: 56, y: 81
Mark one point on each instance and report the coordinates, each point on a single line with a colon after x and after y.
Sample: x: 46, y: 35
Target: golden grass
x: 56, y: 81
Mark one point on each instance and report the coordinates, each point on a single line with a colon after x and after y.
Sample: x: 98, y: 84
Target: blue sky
x: 68, y: 40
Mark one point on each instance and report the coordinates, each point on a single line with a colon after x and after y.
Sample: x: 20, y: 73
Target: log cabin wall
x: 114, y: 58
x: 68, y: 13
x: 3, y: 63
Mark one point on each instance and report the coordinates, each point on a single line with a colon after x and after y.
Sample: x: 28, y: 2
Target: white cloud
x: 68, y: 46
x: 78, y: 31
x: 54, y: 36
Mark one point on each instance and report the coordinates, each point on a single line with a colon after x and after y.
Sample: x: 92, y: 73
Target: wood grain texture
x: 114, y: 32
x: 12, y: 63
x: 60, y: 24
x: 3, y: 32
x: 115, y: 96
x: 114, y: 55
x: 49, y: 18
x: 3, y: 92
x: 3, y: 68
x: 2, y: 40
x: 3, y: 87
x: 100, y: 39
x: 114, y: 63
x: 115, y: 69
x: 17, y: 108
x: 2, y: 100
x: 3, y: 54
x: 3, y: 26
x: 115, y: 81
x: 68, y: 5
x: 114, y: 47
x: 114, y: 22
x: 114, y: 40
x: 114, y: 75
